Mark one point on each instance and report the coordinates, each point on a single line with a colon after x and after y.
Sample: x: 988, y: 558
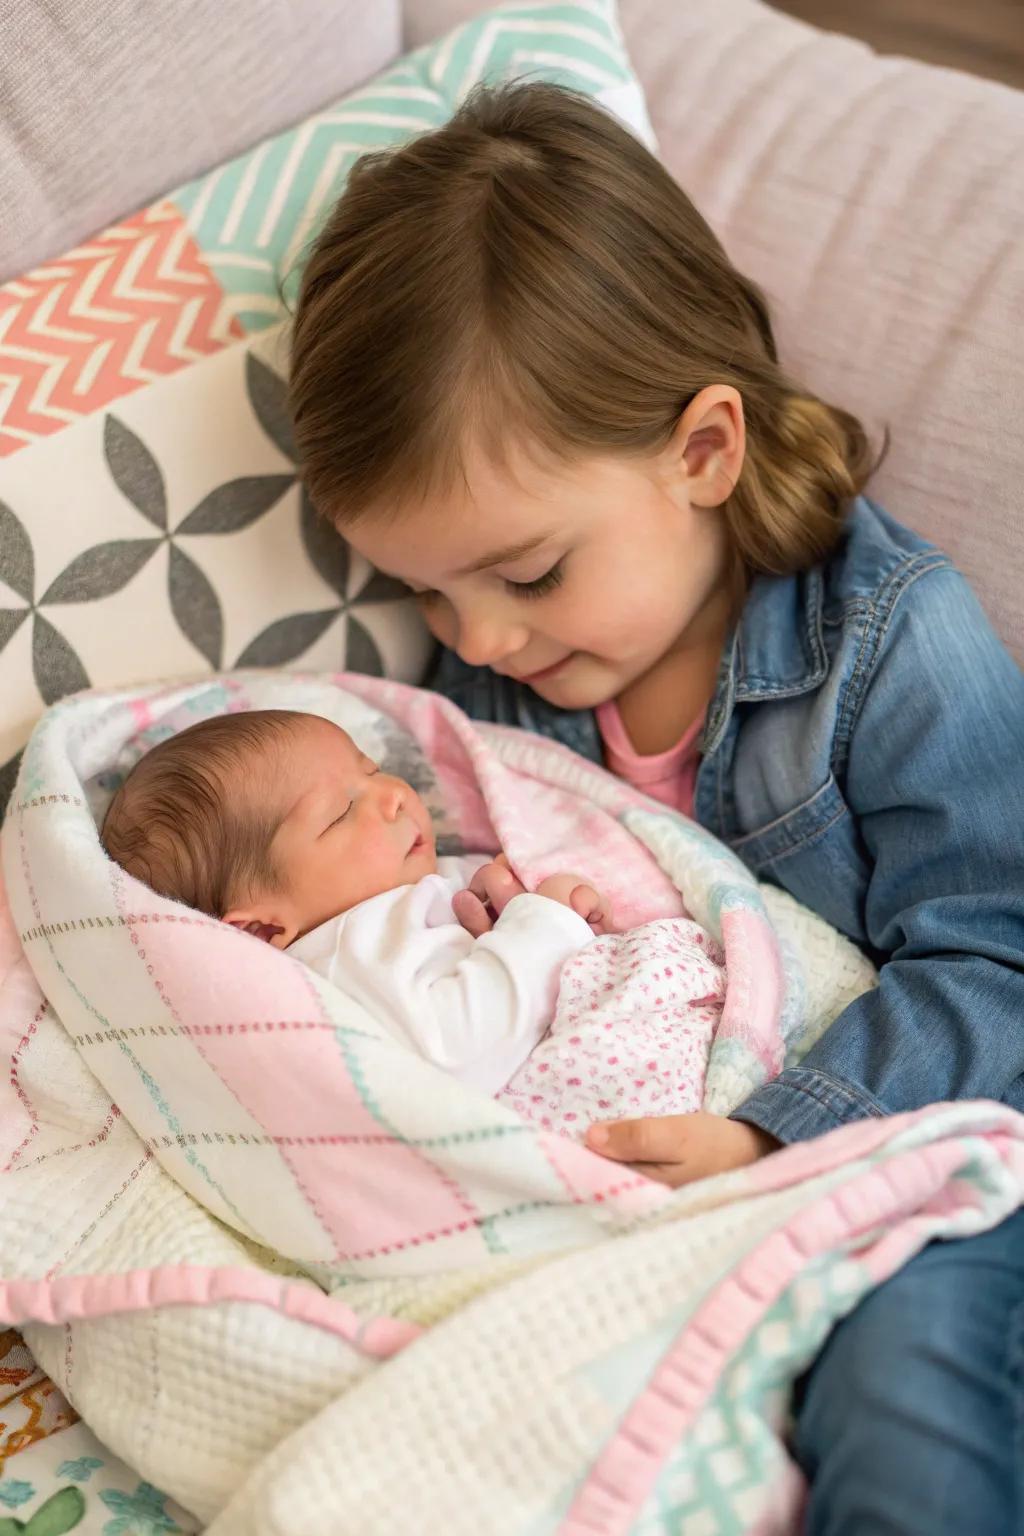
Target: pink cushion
x: 880, y: 203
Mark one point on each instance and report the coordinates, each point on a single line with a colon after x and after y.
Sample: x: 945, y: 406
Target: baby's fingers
x: 501, y: 886
x: 593, y: 908
x: 485, y: 876
x: 471, y: 913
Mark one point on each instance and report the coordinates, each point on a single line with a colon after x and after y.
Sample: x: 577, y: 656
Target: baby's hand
x: 571, y: 891
x: 489, y: 893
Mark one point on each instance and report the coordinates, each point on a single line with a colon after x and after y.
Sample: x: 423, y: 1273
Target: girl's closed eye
x: 540, y: 585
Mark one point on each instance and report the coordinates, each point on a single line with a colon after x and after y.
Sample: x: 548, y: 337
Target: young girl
x: 528, y: 381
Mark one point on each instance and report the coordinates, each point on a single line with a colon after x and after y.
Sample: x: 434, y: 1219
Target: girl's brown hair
x: 531, y: 272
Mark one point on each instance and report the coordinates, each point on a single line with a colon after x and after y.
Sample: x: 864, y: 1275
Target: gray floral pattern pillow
x: 171, y: 535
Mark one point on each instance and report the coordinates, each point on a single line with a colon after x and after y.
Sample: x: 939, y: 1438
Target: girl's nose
x: 484, y: 641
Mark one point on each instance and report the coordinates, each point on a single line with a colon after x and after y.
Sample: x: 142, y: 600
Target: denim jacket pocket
x: 822, y: 817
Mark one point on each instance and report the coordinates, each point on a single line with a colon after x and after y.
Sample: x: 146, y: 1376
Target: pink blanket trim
x: 906, y: 1190
x: 65, y: 1298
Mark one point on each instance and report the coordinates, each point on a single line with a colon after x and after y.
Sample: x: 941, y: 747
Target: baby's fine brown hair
x: 193, y: 820
x: 531, y: 273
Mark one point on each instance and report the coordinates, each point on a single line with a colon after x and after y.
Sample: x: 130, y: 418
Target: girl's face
x: 575, y: 580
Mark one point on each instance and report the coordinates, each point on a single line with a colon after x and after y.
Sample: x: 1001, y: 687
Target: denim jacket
x: 864, y: 750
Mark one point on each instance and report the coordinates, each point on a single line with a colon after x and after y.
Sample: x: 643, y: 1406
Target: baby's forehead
x: 329, y: 736
x: 320, y: 749
x: 308, y: 748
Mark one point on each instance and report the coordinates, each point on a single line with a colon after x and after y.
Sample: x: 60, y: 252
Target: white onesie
x: 476, y: 1007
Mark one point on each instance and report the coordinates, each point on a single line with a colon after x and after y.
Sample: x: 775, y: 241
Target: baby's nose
x: 393, y: 795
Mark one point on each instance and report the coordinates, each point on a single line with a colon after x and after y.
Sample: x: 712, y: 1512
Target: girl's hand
x: 571, y: 891
x: 489, y: 893
x: 678, y: 1149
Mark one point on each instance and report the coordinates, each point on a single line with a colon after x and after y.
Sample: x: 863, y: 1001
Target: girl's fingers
x: 672, y: 1174
x: 661, y: 1139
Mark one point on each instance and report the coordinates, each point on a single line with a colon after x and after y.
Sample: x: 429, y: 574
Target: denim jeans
x: 911, y: 1420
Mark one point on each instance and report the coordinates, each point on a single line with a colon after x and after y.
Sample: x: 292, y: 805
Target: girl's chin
x: 583, y: 685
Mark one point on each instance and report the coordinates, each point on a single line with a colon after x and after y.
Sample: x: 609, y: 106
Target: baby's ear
x: 261, y: 927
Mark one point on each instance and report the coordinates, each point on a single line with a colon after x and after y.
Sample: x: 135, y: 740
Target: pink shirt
x: 669, y: 776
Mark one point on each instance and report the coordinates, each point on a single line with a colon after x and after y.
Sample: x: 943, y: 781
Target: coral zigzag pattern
x: 133, y: 304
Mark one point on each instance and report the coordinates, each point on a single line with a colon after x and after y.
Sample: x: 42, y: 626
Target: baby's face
x: 349, y: 832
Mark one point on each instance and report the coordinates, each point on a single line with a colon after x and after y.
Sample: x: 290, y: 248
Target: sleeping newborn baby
x: 275, y: 822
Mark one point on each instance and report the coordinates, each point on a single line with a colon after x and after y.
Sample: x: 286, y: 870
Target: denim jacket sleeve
x: 934, y: 779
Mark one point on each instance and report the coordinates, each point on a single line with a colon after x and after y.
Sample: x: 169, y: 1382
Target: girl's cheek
x: 441, y: 622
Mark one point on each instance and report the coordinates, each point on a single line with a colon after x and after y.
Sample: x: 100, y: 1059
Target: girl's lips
x: 546, y: 672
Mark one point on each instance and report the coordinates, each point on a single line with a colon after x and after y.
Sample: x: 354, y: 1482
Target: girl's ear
x: 709, y: 443
x: 264, y: 920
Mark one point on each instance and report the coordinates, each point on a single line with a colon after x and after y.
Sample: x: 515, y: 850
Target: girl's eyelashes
x: 541, y: 585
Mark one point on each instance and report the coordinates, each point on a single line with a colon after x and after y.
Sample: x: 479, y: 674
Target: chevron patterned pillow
x: 151, y: 520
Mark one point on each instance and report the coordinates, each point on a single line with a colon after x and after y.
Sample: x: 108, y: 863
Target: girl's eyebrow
x: 505, y: 556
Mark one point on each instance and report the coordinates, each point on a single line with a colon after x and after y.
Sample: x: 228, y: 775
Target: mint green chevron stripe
x: 254, y: 217
x: 576, y: 45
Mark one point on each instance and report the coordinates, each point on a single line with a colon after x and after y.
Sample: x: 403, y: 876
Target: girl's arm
x: 935, y: 780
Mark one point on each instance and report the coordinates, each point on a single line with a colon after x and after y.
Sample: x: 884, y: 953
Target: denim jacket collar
x: 777, y: 650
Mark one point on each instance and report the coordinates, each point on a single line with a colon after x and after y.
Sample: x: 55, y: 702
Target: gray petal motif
x: 236, y: 504
x: 361, y: 653
x: 136, y: 473
x: 10, y: 622
x: 55, y: 665
x: 382, y: 589
x: 286, y: 639
x: 100, y: 571
x: 268, y: 396
x: 17, y: 562
x: 195, y: 605
x: 326, y: 549
x: 8, y: 779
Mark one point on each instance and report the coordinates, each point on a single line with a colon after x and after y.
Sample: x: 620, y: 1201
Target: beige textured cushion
x: 880, y: 203
x: 105, y: 104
